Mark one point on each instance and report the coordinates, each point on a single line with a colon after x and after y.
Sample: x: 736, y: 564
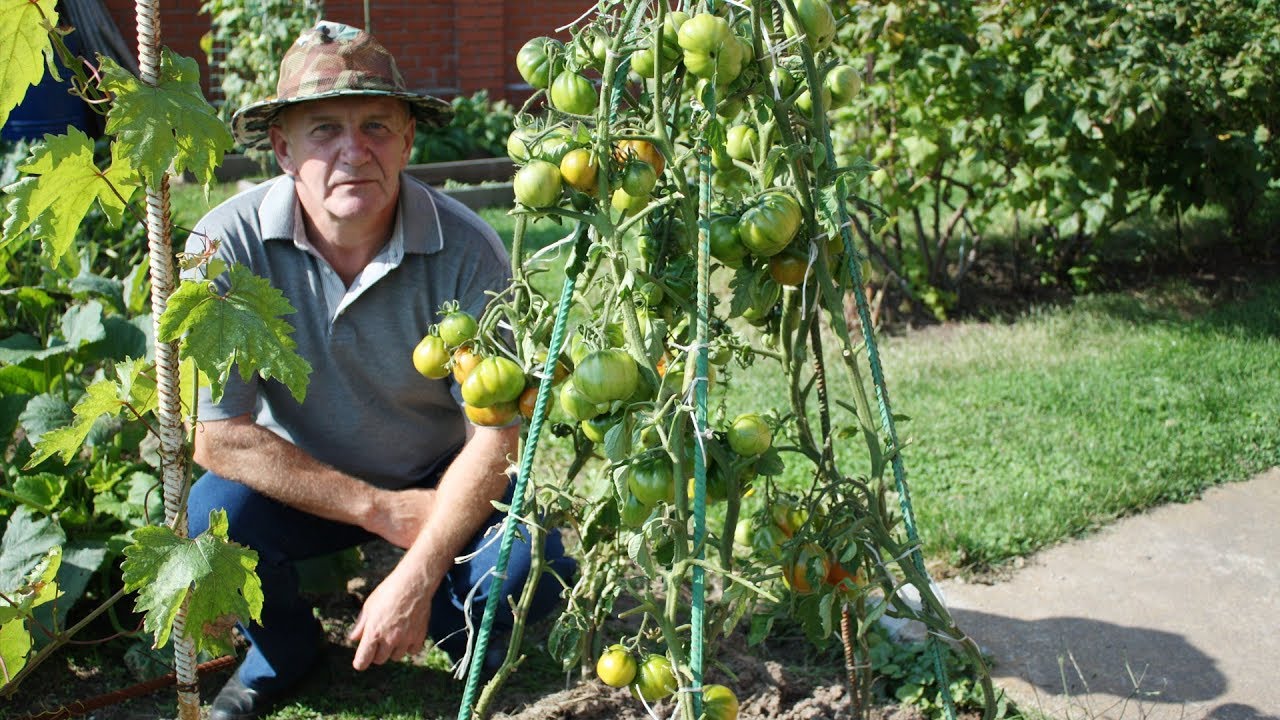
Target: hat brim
x: 251, y: 124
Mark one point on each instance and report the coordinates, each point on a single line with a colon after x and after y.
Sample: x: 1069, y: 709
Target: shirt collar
x: 417, y: 209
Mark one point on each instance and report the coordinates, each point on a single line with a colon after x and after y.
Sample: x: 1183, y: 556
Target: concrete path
x: 1173, y: 614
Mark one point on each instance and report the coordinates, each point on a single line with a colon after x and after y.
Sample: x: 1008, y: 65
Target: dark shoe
x: 237, y: 702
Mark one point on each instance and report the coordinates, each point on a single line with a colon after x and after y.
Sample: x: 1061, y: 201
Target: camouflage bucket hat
x: 333, y: 60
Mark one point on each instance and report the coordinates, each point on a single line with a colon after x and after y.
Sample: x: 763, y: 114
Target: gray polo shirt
x: 367, y: 410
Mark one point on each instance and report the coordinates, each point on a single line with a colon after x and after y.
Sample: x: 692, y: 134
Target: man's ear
x: 280, y: 144
x: 409, y: 134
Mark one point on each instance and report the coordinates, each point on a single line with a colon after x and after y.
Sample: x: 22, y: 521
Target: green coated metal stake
x: 576, y: 263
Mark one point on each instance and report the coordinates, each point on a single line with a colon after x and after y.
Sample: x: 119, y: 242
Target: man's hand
x: 398, y: 516
x: 393, y: 621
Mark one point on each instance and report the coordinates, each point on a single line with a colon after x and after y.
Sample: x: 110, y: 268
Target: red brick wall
x: 443, y: 46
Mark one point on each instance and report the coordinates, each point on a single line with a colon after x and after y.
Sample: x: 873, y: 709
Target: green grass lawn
x: 1027, y: 433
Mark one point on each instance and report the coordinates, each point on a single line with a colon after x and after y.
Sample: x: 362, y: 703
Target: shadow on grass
x: 1074, y: 660
x: 1249, y: 309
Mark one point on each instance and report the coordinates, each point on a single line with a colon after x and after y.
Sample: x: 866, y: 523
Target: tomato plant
x: 696, y: 148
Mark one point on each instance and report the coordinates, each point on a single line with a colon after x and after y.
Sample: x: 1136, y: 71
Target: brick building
x: 444, y: 47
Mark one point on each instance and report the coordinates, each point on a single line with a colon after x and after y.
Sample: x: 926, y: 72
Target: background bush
x: 1051, y: 124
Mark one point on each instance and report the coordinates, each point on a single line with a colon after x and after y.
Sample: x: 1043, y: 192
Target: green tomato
x: 520, y: 145
x: 431, y: 357
x: 573, y: 93
x: 704, y: 34
x: 607, y: 375
x: 575, y: 404
x: 785, y: 81
x: 750, y: 435
x: 558, y: 142
x: 816, y: 22
x: 534, y: 61
x: 804, y: 103
x: 457, y: 328
x: 495, y: 380
x: 639, y: 178
x: 655, y: 679
x: 741, y: 142
x: 843, y: 82
x: 616, y: 667
x: 719, y: 703
x: 633, y: 512
x: 594, y: 429
x: 652, y: 480
x: 768, y: 226
x: 626, y: 203
x: 726, y: 245
x: 725, y: 65
x: 537, y: 184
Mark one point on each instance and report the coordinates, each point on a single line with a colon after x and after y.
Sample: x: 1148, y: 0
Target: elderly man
x: 367, y: 255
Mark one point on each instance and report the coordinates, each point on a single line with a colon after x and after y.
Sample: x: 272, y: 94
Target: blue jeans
x: 288, y: 640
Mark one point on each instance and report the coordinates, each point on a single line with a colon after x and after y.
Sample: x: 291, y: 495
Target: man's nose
x: 355, y: 146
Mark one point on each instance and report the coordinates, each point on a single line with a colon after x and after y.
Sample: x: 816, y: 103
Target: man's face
x: 345, y: 155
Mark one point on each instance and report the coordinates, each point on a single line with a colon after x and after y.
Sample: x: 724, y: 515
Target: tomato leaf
x: 214, y: 576
x: 241, y: 328
x: 64, y: 183
x: 760, y: 626
x: 25, y: 38
x: 145, y: 119
x: 617, y: 442
x: 770, y: 463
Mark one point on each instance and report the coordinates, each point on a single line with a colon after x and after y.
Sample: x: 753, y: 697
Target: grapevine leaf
x: 44, y: 413
x: 38, y: 588
x: 241, y: 328
x: 15, y: 645
x: 41, y: 491
x: 101, y: 398
x: 27, y: 538
x: 138, y: 385
x: 27, y: 49
x: 82, y: 324
x: 214, y: 576
x: 63, y: 183
x: 144, y: 118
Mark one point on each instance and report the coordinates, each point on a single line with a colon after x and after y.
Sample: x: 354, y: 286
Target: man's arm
x: 393, y: 622
x: 239, y: 449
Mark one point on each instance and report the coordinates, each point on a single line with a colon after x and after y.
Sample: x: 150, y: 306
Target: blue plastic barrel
x: 47, y: 109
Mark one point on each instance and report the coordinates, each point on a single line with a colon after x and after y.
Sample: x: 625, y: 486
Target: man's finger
x: 358, y: 630
x: 364, y: 654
